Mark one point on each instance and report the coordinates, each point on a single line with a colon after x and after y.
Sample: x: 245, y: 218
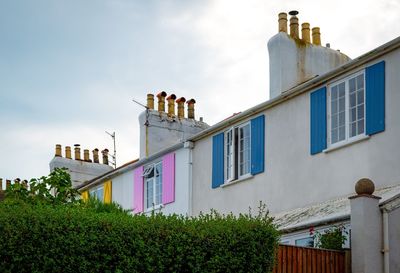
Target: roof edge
x: 302, y: 88
x: 127, y: 166
x: 317, y: 223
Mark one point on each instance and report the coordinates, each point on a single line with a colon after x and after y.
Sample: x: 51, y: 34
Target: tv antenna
x: 114, y: 155
x: 141, y: 104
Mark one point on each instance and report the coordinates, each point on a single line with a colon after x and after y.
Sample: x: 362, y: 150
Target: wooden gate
x: 295, y: 259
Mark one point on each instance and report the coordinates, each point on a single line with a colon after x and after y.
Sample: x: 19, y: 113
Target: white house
x: 330, y: 121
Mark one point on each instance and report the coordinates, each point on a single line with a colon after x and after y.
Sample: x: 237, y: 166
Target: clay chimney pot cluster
x: 294, y: 28
x: 77, y: 153
x: 172, y: 99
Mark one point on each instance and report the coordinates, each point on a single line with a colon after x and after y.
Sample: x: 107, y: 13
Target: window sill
x: 154, y: 208
x: 243, y: 178
x: 347, y: 143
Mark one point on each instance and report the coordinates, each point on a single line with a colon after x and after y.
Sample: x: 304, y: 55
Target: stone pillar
x: 366, y: 229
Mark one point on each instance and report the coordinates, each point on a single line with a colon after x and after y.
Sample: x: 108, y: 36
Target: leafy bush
x: 93, y: 238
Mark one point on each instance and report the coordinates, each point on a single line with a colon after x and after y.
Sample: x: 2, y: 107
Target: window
x: 346, y: 108
x: 97, y: 193
x: 153, y: 185
x: 237, y: 152
x: 308, y: 242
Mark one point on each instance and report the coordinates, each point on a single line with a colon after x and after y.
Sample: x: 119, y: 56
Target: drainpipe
x: 385, y: 241
x: 190, y: 145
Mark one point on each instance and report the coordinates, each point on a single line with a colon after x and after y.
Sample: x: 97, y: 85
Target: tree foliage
x: 56, y: 188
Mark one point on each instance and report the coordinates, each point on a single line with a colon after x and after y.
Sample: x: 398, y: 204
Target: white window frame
x: 146, y: 179
x: 94, y: 192
x: 229, y: 173
x: 235, y: 155
x: 348, y: 139
x: 239, y: 154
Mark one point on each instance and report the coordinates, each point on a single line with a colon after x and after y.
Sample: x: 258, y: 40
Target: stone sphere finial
x: 365, y: 186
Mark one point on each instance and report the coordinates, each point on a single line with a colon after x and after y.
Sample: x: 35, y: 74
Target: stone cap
x: 365, y: 188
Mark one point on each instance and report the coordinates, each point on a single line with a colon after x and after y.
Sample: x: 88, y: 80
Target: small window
x: 153, y: 185
x: 97, y: 193
x: 346, y: 108
x: 237, y: 152
x: 307, y: 242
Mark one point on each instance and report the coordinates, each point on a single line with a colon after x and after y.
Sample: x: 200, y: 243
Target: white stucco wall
x: 394, y: 240
x: 294, y: 178
x: 165, y: 131
x: 122, y: 190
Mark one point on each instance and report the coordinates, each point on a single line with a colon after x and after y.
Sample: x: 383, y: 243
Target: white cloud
x: 216, y: 53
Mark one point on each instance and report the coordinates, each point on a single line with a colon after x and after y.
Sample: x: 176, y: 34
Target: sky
x: 69, y: 69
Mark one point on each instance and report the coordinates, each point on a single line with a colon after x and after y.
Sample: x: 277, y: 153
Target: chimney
x: 159, y: 130
x: 171, y: 104
x: 316, y: 36
x: 190, y: 110
x: 68, y: 152
x: 282, y: 22
x: 96, y: 155
x: 58, y: 150
x: 150, y: 101
x: 161, y: 101
x: 86, y: 155
x: 293, y: 61
x: 305, y: 32
x: 77, y: 152
x: 105, y: 156
x: 294, y: 24
x: 8, y: 183
x: 1, y: 184
x: 181, y: 107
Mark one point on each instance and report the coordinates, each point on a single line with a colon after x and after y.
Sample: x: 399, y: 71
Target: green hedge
x: 37, y: 238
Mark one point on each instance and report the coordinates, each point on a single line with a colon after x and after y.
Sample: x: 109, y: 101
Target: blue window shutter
x: 218, y: 161
x: 375, y: 98
x: 257, y: 144
x: 318, y: 121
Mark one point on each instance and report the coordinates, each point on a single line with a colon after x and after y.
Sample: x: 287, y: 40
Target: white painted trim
x: 146, y: 179
x: 241, y: 179
x: 342, y: 144
x: 156, y: 207
x: 239, y: 147
x: 344, y: 80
